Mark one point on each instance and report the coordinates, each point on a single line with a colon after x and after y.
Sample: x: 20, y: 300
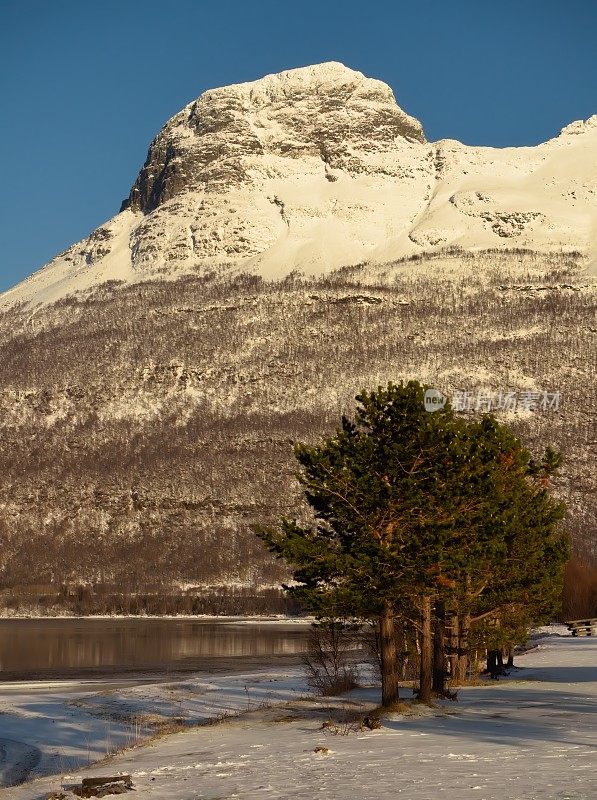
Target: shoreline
x: 265, y: 727
x: 247, y: 618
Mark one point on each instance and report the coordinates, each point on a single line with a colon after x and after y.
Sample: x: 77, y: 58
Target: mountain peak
x: 329, y: 76
x: 580, y: 126
x: 315, y: 168
x: 219, y: 140
x: 311, y: 74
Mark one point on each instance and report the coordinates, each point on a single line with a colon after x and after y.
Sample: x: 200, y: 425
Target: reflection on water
x: 55, y: 645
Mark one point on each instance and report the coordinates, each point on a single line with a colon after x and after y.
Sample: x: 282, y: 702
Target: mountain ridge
x: 154, y: 376
x: 316, y: 168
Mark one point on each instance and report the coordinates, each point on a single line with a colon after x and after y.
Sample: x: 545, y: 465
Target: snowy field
x: 532, y: 736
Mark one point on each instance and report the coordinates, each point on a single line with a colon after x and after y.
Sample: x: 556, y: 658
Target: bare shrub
x: 158, y: 418
x: 329, y: 659
x: 344, y: 721
x: 580, y: 590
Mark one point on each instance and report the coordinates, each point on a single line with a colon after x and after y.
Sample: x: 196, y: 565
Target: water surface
x: 43, y: 648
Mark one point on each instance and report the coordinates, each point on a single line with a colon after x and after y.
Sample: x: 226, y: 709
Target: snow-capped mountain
x: 317, y: 168
x: 154, y: 376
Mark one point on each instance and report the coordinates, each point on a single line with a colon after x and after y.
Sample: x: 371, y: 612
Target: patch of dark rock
x: 358, y: 299
x: 104, y: 787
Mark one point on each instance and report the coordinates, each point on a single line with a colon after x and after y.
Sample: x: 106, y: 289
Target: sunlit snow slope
x: 315, y: 168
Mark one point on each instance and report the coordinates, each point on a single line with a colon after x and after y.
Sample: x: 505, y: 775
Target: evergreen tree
x: 411, y: 510
x: 520, y: 580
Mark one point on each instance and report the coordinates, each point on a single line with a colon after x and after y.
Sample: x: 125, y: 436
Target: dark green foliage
x: 381, y: 502
x: 412, y: 502
x: 410, y: 505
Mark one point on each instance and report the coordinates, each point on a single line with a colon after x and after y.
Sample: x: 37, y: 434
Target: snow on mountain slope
x: 543, y: 197
x: 316, y: 168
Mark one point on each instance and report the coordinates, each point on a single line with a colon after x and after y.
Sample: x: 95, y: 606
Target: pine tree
x: 521, y: 575
x: 411, y: 510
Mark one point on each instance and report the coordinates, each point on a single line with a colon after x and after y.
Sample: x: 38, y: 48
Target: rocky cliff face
x: 318, y: 168
x: 238, y: 135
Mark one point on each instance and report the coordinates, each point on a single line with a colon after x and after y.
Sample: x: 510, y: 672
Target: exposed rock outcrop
x: 316, y: 168
x: 229, y: 136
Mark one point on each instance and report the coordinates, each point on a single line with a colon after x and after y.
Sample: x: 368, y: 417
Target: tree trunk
x: 426, y: 674
x: 464, y: 624
x: 404, y: 656
x: 439, y: 650
x: 492, y: 663
x: 510, y: 661
x: 452, y: 627
x: 389, y: 661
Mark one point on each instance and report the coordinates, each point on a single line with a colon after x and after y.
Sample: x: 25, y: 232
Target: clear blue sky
x: 86, y: 84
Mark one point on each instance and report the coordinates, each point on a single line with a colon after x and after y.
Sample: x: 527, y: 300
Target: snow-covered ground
x: 56, y: 726
x: 530, y: 737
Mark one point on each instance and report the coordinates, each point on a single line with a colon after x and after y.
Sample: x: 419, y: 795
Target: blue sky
x: 86, y: 84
